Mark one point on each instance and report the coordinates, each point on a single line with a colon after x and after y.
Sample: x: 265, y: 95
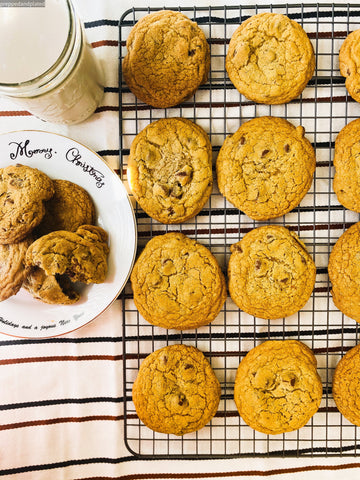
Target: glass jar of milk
x: 46, y: 66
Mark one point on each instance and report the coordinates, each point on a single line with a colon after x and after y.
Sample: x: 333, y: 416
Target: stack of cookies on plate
x: 48, y: 240
x: 264, y: 169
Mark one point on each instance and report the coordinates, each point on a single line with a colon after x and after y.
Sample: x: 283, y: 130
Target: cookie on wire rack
x: 176, y: 390
x: 168, y: 58
x: 270, y: 58
x: 277, y: 386
x: 266, y: 167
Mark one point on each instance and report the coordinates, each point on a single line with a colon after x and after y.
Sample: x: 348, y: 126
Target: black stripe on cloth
x: 108, y: 152
x: 101, y: 23
x: 145, y: 476
x: 62, y: 401
x: 177, y: 337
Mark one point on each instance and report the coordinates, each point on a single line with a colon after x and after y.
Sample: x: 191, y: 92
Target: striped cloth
x: 65, y: 402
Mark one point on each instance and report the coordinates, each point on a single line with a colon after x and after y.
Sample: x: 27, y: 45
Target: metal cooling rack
x: 323, y: 109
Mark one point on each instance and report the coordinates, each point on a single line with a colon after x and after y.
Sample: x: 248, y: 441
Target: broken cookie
x: 79, y: 256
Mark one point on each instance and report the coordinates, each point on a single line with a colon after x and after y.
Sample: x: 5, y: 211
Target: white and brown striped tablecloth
x: 65, y: 402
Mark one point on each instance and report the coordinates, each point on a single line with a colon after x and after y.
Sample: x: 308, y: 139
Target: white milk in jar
x: 46, y: 66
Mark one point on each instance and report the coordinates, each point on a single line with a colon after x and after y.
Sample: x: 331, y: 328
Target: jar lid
x: 32, y: 40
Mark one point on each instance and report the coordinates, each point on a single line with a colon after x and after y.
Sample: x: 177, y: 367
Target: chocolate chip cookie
x: 176, y: 390
x: 349, y: 60
x: 52, y: 289
x: 168, y: 58
x: 70, y: 207
x: 347, y: 167
x: 344, y: 272
x: 270, y: 273
x: 346, y: 385
x: 170, y: 169
x: 23, y: 191
x: 66, y: 257
x: 270, y: 58
x: 277, y: 387
x: 266, y: 167
x: 13, y: 270
x: 177, y: 283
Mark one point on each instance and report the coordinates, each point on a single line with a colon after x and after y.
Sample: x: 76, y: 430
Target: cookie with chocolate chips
x: 177, y: 283
x: 349, y: 63
x: 167, y: 58
x: 266, y: 167
x: 23, y: 191
x: 176, y: 390
x: 170, y: 169
x: 346, y: 385
x: 277, y: 387
x: 270, y: 273
x: 270, y: 58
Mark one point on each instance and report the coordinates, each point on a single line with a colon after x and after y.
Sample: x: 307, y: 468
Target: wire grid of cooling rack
x: 323, y: 109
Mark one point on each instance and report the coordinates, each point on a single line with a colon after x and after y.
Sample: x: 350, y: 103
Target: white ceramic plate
x: 61, y: 157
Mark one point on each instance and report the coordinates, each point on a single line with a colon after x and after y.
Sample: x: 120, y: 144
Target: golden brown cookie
x: 346, y: 385
x: 266, y: 167
x: 81, y: 255
x: 168, y: 58
x: 344, y: 272
x: 170, y: 169
x: 176, y: 390
x: 347, y: 168
x: 270, y: 58
x: 53, y: 289
x: 277, y: 387
x: 13, y: 270
x: 23, y: 191
x: 270, y: 273
x: 177, y: 283
x: 70, y: 207
x: 349, y: 60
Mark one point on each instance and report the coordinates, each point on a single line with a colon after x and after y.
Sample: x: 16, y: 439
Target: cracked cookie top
x: 277, y: 387
x: 347, y: 166
x: 168, y: 58
x: 270, y: 273
x: 170, y: 169
x: 346, y: 385
x: 270, y: 58
x: 176, y: 390
x: 344, y: 272
x: 349, y: 60
x: 266, y: 167
x: 23, y: 191
x: 177, y: 283
x: 13, y: 270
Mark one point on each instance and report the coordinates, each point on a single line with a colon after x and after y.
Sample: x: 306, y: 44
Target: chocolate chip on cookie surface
x: 170, y: 169
x: 277, y: 387
x: 23, y: 191
x: 270, y: 273
x: 266, y: 167
x: 270, y: 58
x: 176, y: 390
x: 177, y: 283
x: 168, y: 58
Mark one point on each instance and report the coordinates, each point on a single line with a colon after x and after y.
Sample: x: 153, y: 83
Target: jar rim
x: 29, y: 87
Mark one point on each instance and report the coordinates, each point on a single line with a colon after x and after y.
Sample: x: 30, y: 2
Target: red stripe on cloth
x: 105, y: 43
x: 242, y: 473
x: 53, y: 421
x: 15, y: 113
x: 60, y: 358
